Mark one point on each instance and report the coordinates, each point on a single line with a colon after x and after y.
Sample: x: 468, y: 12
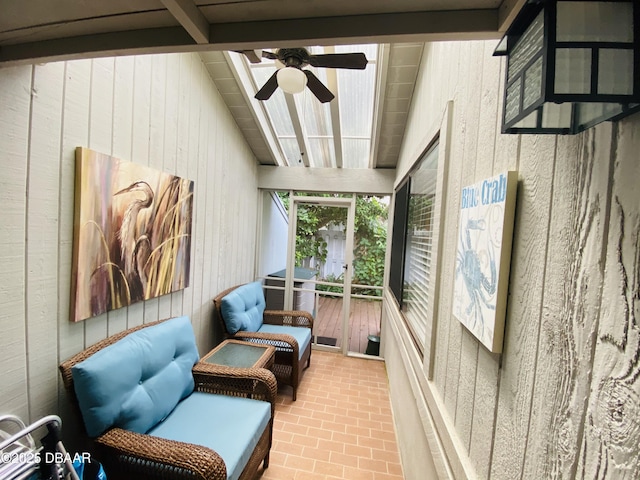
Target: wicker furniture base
x: 128, y: 467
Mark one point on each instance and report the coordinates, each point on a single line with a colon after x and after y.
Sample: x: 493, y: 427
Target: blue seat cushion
x: 231, y: 426
x: 136, y: 382
x: 242, y: 309
x: 301, y: 334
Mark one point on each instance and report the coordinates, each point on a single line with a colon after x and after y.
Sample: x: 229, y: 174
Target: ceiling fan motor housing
x: 294, y: 57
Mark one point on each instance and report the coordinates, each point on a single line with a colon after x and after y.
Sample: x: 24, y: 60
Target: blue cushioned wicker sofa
x: 154, y: 412
x: 241, y: 311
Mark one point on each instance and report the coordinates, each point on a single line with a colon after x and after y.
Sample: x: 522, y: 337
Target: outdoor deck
x: 364, y: 321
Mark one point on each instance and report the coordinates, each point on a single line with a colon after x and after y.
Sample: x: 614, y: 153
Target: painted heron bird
x: 134, y: 242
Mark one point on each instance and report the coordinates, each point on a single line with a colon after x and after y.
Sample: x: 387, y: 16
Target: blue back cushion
x: 136, y: 382
x: 242, y: 309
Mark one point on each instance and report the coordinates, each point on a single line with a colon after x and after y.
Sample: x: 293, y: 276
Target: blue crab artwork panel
x: 483, y: 257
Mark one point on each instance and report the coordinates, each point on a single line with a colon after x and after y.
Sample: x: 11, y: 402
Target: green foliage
x: 370, y: 242
x: 329, y: 288
x: 368, y: 264
x: 310, y: 219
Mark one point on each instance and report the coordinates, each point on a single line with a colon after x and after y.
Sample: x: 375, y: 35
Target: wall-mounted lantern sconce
x: 571, y: 65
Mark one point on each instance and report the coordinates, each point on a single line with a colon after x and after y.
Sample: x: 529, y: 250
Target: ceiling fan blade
x: 269, y: 55
x: 356, y: 61
x: 252, y: 55
x: 256, y: 56
x: 317, y: 88
x: 268, y: 88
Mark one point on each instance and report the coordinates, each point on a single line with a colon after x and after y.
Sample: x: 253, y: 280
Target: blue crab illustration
x: 468, y: 264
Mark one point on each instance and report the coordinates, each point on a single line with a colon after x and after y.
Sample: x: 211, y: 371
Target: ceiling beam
x: 507, y: 12
x: 242, y: 75
x: 334, y: 108
x: 190, y: 17
x: 381, y: 82
x: 375, y: 28
x: 301, y: 135
x: 378, y: 28
x: 131, y: 42
x: 334, y: 180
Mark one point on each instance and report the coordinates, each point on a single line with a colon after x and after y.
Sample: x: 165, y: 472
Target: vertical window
x: 412, y: 246
x: 396, y: 267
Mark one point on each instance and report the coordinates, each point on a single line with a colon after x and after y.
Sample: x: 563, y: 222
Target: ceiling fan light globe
x: 291, y: 80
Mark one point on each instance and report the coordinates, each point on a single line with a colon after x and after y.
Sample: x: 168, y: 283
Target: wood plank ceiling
x: 50, y: 30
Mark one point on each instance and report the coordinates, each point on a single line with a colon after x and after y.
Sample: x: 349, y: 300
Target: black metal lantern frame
x: 571, y: 65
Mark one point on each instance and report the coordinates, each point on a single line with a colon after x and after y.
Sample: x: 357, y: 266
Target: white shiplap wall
x: 562, y: 400
x: 162, y: 111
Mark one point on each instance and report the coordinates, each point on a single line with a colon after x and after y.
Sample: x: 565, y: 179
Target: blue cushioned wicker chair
x: 241, y: 311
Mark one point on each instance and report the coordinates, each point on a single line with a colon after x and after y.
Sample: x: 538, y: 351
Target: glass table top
x: 230, y: 354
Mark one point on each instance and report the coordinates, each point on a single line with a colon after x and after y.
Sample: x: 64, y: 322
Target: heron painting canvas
x: 483, y: 257
x: 132, y: 234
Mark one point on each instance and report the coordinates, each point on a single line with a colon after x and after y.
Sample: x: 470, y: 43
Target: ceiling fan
x: 293, y: 79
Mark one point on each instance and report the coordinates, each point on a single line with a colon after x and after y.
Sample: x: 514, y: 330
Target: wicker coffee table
x: 239, y: 354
